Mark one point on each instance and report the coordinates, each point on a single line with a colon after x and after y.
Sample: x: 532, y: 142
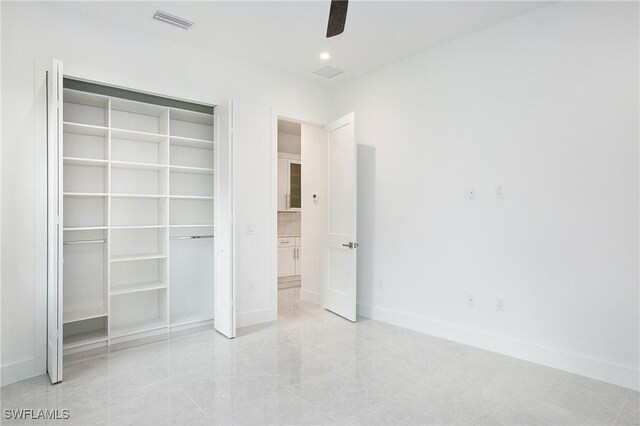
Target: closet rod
x: 191, y: 237
x: 84, y: 242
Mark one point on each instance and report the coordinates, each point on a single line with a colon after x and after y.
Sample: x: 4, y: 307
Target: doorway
x: 314, y: 206
x: 289, y: 205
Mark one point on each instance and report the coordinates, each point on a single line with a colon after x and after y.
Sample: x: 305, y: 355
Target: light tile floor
x: 312, y: 367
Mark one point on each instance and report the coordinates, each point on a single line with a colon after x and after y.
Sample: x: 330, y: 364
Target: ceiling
x: 290, y: 35
x: 288, y: 127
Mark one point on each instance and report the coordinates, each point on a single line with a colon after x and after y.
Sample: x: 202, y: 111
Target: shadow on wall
x: 366, y: 184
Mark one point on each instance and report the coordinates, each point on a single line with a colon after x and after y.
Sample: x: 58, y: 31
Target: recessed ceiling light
x: 324, y: 56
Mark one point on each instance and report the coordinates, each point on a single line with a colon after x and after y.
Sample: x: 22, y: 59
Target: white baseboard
x: 310, y: 296
x: 20, y: 370
x: 573, y: 363
x: 255, y: 317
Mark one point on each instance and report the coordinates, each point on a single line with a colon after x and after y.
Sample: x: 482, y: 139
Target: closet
x: 137, y: 184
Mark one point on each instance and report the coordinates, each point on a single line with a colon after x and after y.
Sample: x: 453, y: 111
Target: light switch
x: 250, y: 229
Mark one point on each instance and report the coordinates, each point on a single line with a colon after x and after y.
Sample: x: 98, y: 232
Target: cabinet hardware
x: 350, y: 245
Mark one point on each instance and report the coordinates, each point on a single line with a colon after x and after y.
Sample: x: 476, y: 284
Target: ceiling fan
x: 337, y: 17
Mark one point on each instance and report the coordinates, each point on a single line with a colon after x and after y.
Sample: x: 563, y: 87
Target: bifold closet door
x: 54, y: 220
x: 225, y: 290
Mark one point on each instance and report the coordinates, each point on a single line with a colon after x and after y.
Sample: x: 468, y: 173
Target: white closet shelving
x: 138, y: 186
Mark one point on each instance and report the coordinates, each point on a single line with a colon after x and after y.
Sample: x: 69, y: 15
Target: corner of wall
x: 573, y: 363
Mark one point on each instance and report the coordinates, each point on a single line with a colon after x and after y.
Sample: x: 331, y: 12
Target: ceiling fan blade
x: 337, y: 17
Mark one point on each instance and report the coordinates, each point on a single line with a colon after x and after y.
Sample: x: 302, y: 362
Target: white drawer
x: 286, y: 242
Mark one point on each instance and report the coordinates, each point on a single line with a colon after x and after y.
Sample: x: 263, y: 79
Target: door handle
x: 350, y: 245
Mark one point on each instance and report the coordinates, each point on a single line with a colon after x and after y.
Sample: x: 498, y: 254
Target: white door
x: 339, y: 294
x: 54, y: 224
x: 225, y: 288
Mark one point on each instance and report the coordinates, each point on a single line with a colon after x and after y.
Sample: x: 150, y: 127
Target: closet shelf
x: 84, y: 314
x: 133, y: 155
x: 78, y: 161
x: 186, y: 169
x: 138, y: 327
x: 83, y: 339
x: 191, y: 197
x: 85, y: 98
x: 84, y: 194
x: 138, y: 227
x: 191, y: 142
x: 137, y: 196
x: 84, y: 129
x: 134, y: 257
x: 190, y: 116
x: 136, y: 166
x: 137, y: 136
x: 84, y: 228
x: 137, y: 287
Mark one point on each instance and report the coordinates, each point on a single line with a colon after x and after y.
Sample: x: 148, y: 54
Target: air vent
x: 328, y: 71
x: 173, y: 20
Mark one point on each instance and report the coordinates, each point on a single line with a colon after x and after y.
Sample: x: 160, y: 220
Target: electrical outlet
x: 380, y: 284
x: 471, y: 193
x: 251, y: 287
x: 500, y: 304
x: 250, y: 229
x: 471, y: 300
x: 499, y: 193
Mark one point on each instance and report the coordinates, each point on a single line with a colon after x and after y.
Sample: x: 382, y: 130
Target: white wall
x: 546, y: 106
x: 289, y: 143
x: 99, y: 51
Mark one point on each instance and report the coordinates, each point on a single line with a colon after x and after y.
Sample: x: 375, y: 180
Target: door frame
x: 273, y: 214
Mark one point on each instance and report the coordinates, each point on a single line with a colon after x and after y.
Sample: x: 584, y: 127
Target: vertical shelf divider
x: 167, y: 177
x: 108, y: 190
